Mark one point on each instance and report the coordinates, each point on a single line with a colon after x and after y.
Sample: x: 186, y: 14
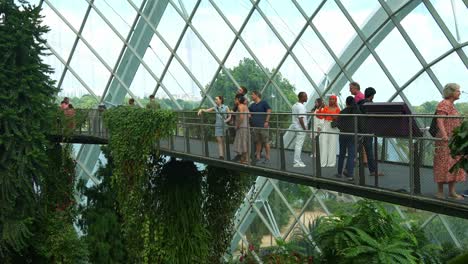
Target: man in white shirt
x: 299, y: 119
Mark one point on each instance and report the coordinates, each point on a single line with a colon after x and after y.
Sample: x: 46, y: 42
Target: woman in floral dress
x: 443, y: 161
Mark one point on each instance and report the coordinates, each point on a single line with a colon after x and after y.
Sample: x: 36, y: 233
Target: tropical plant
x: 370, y: 235
x: 459, y: 147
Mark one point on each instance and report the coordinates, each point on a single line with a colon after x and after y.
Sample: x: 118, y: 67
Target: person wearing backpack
x: 443, y: 161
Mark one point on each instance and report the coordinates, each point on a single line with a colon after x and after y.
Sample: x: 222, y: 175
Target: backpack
x: 433, y: 129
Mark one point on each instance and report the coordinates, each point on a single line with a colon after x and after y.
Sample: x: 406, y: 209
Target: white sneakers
x: 299, y: 165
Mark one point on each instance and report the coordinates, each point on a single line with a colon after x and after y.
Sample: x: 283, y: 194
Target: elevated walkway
x: 408, y: 183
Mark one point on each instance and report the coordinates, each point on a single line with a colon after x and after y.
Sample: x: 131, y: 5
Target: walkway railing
x: 401, y: 145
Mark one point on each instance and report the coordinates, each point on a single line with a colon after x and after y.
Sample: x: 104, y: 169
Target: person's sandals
x: 456, y: 196
x: 439, y: 195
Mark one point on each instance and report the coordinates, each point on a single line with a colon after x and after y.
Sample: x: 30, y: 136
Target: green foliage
x: 60, y: 242
x: 370, y: 235
x: 461, y: 259
x: 223, y: 193
x: 250, y: 75
x: 459, y: 146
x: 180, y: 235
x: 26, y: 103
x: 100, y: 221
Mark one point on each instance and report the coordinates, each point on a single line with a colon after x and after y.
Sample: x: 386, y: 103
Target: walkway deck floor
x: 396, y: 176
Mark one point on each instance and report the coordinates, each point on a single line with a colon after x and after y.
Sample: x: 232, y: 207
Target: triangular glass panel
x: 73, y: 12
x: 213, y: 29
x: 235, y: 11
x: 335, y: 28
x: 195, y: 51
x: 181, y: 85
x: 308, y: 6
x: 143, y: 84
x: 362, y: 12
x: 89, y: 68
x: 284, y: 17
x: 454, y: 17
x: 401, y: 72
x: 314, y: 57
x: 121, y: 13
x: 171, y: 25
x: 263, y: 42
x: 60, y: 37
x: 156, y: 56
x: 422, y: 29
x: 102, y: 39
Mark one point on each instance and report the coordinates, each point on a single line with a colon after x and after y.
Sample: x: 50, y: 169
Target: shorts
x: 261, y: 135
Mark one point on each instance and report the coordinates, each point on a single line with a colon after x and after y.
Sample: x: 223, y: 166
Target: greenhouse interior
x: 220, y: 131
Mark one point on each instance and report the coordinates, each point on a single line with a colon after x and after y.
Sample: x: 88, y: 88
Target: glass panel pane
x: 121, y: 13
x: 186, y: 6
x: 89, y: 68
x: 101, y: 37
x: 313, y: 56
x: 422, y: 30
x: 361, y: 11
x: 308, y: 6
x: 60, y: 36
x: 452, y: 69
x: 180, y: 85
x: 143, y: 83
x: 193, y: 52
x: 454, y: 17
x: 235, y: 11
x: 171, y: 25
x: 285, y: 18
x: 213, y: 29
x: 334, y: 26
x: 263, y: 41
x: 73, y: 11
x: 393, y: 50
x: 156, y: 56
x: 422, y: 90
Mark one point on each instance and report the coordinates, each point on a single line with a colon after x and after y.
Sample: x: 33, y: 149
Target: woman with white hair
x: 443, y: 161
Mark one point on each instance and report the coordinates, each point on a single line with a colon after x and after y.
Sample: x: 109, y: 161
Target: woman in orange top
x: 329, y: 142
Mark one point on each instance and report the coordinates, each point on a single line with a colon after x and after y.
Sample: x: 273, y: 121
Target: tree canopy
x: 250, y: 75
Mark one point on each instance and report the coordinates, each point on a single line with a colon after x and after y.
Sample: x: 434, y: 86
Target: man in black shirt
x: 368, y: 141
x: 347, y: 124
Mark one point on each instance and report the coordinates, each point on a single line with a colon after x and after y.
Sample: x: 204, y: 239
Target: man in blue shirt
x: 261, y: 123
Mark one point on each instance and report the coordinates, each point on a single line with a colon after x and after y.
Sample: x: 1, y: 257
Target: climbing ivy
x: 459, y: 147
x: 134, y: 134
x: 224, y: 191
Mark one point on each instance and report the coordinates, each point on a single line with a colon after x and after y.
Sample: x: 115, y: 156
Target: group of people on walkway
x: 242, y: 121
x: 328, y: 121
x: 332, y: 126
x: 69, y: 112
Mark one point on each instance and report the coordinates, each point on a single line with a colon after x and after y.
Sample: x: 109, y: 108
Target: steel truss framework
x: 387, y: 18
